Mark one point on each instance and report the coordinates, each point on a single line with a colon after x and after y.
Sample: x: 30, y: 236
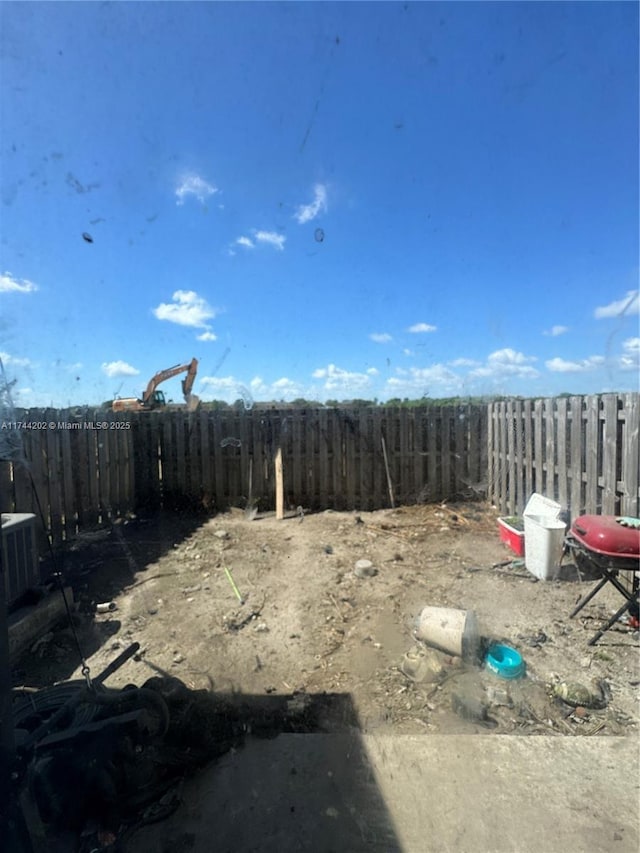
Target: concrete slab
x: 415, y: 794
x: 30, y: 623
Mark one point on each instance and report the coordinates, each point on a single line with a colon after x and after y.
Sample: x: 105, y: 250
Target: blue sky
x: 328, y: 200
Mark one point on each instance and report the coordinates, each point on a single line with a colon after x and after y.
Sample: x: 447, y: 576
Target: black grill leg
x: 611, y: 621
x: 589, y: 596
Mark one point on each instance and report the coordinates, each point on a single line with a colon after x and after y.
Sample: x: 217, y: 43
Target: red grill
x: 612, y: 545
x: 608, y: 536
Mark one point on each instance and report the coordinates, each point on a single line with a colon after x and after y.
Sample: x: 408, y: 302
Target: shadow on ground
x: 98, y: 566
x: 253, y: 772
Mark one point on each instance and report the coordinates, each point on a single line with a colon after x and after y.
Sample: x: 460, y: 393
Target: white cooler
x: 544, y: 536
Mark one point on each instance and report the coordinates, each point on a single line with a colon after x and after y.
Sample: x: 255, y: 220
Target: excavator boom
x: 152, y: 398
x: 163, y: 375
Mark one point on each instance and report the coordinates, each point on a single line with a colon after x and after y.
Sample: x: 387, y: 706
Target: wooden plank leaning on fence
x: 279, y: 485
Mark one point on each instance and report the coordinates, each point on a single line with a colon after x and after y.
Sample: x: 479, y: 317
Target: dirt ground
x: 309, y: 624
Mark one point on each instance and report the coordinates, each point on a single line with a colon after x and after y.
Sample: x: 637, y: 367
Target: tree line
x: 356, y: 403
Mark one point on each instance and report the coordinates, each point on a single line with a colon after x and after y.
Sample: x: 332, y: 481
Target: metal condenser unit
x: 19, y: 554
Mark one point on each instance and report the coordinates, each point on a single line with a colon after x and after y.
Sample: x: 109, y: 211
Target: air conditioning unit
x: 19, y: 554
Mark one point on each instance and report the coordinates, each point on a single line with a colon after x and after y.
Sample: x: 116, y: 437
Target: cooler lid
x: 542, y: 507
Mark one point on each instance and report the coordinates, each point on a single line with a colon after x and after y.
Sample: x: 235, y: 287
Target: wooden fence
x: 93, y: 466
x: 84, y: 469
x: 332, y: 458
x: 581, y: 451
x: 76, y: 469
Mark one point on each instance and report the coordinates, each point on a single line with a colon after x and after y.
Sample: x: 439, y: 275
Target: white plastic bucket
x: 543, y: 537
x: 450, y: 630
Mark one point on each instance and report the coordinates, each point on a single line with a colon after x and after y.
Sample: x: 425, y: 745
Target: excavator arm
x: 190, y: 378
x: 187, y: 383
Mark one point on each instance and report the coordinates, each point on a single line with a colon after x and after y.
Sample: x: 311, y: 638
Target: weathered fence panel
x: 580, y: 451
x: 76, y: 470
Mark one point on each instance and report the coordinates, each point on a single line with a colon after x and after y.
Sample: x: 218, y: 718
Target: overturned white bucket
x: 450, y: 630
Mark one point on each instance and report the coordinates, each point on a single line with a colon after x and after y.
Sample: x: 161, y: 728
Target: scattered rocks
x: 235, y: 620
x: 178, y: 658
x: 262, y: 628
x: 365, y: 569
x: 499, y: 696
x: 534, y: 641
x: 328, y: 549
x: 188, y: 590
x: 221, y: 534
x: 422, y: 665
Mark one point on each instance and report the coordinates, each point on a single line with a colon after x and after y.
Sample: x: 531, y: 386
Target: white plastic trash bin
x: 543, y: 537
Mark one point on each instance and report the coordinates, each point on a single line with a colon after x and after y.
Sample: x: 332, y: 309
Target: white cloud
x: 381, y: 337
x: 464, y: 362
x: 561, y: 365
x: 506, y: 362
x: 8, y: 359
x: 118, y: 368
x: 187, y: 309
x: 11, y: 284
x: 207, y: 336
x: 337, y: 379
x: 230, y: 389
x: 509, y: 356
x: 271, y: 238
x: 307, y: 212
x: 437, y: 373
x: 554, y: 331
x: 372, y: 371
x: 194, y: 185
x: 280, y: 389
x: 630, y: 360
x: 630, y: 304
x: 219, y: 383
x: 246, y: 242
x: 417, y: 328
x: 285, y: 387
x: 422, y: 381
x: 406, y: 351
